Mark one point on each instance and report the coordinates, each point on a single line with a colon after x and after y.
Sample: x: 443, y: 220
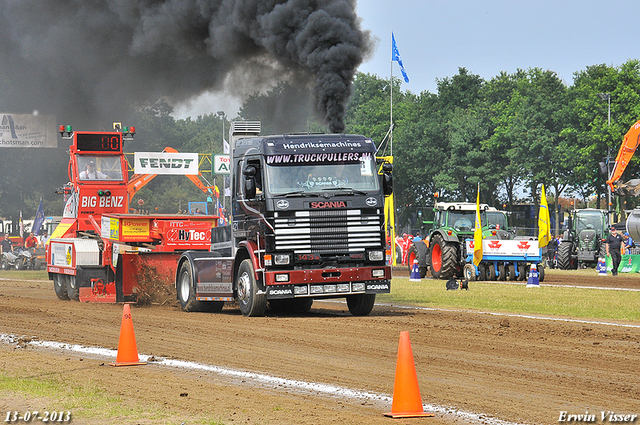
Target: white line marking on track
x: 324, y: 389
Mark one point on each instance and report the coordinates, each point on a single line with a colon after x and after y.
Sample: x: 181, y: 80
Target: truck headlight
x: 376, y: 255
x: 282, y: 259
x: 377, y: 273
x: 282, y: 277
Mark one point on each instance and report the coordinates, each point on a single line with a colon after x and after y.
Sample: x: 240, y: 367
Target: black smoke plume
x: 90, y: 61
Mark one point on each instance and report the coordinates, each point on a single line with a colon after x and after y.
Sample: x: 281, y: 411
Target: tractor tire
x: 564, y: 255
x: 60, y: 287
x: 502, y: 272
x: 444, y: 258
x: 251, y: 302
x: 469, y: 272
x: 510, y: 272
x: 414, y: 255
x: 522, y: 272
x: 361, y: 304
x: 540, y: 273
x: 491, y: 272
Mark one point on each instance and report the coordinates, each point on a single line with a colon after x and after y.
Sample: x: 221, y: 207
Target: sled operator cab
x: 98, y: 174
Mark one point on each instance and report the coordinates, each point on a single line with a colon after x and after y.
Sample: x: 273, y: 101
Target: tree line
x: 511, y: 134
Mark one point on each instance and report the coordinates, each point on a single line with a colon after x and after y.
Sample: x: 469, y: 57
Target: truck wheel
x: 564, y: 255
x: 251, y: 303
x: 187, y: 294
x: 361, y: 304
x: 72, y: 288
x: 502, y: 272
x: 443, y: 258
x: 60, y: 286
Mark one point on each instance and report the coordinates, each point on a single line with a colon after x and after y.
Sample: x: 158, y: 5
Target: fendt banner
x: 28, y: 131
x: 166, y: 163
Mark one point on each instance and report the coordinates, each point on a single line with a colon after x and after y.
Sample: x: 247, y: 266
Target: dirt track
x: 500, y: 367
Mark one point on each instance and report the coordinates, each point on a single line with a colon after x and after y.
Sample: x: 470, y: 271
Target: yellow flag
x: 544, y: 228
x: 477, y: 234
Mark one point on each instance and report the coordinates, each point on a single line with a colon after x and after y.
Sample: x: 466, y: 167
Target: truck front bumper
x: 328, y: 282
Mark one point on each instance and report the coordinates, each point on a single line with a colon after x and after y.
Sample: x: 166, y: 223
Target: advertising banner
x: 628, y: 264
x: 28, y: 131
x: 166, y: 163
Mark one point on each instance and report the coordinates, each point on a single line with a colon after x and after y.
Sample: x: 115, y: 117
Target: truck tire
x: 444, y: 259
x: 252, y: 303
x: 415, y: 255
x: 72, y: 288
x: 187, y: 294
x: 564, y: 255
x: 361, y: 304
x: 60, y: 287
x: 540, y: 273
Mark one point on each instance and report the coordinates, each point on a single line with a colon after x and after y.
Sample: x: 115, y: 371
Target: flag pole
x: 391, y: 103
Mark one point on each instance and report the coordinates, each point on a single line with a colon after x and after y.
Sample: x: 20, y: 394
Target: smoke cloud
x: 90, y: 61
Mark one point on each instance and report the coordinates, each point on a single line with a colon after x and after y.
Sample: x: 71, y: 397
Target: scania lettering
x: 307, y: 222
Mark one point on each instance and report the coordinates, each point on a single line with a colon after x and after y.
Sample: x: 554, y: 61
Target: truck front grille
x: 329, y: 232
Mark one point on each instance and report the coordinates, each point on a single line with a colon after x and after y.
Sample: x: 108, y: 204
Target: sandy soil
x: 512, y: 369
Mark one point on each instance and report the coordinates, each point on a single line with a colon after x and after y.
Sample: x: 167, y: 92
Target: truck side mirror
x: 387, y: 179
x: 250, y: 182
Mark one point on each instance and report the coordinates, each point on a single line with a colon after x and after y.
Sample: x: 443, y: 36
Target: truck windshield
x: 284, y: 179
x: 99, y: 167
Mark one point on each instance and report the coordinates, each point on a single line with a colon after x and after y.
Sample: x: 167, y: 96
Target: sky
x: 435, y: 38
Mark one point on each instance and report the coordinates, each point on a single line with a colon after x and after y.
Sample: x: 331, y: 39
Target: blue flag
x: 395, y: 56
x: 37, y: 223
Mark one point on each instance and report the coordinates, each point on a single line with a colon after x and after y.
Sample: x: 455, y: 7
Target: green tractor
x: 583, y: 241
x: 448, y: 225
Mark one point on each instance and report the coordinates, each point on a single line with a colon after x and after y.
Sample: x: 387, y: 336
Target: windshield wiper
x: 350, y: 189
x: 300, y: 193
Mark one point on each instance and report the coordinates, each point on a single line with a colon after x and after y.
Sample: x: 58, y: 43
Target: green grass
x: 24, y: 274
x: 88, y: 401
x: 545, y: 300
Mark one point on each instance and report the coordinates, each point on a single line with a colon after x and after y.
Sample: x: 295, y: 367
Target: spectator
x: 31, y: 241
x: 628, y: 242
x: 614, y: 244
x: 5, y: 244
x: 44, y: 238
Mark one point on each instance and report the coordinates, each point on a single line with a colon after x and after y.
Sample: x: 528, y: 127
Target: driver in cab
x: 91, y: 173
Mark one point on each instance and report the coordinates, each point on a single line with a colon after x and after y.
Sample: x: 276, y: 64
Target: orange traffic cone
x: 407, y: 402
x: 127, y: 349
